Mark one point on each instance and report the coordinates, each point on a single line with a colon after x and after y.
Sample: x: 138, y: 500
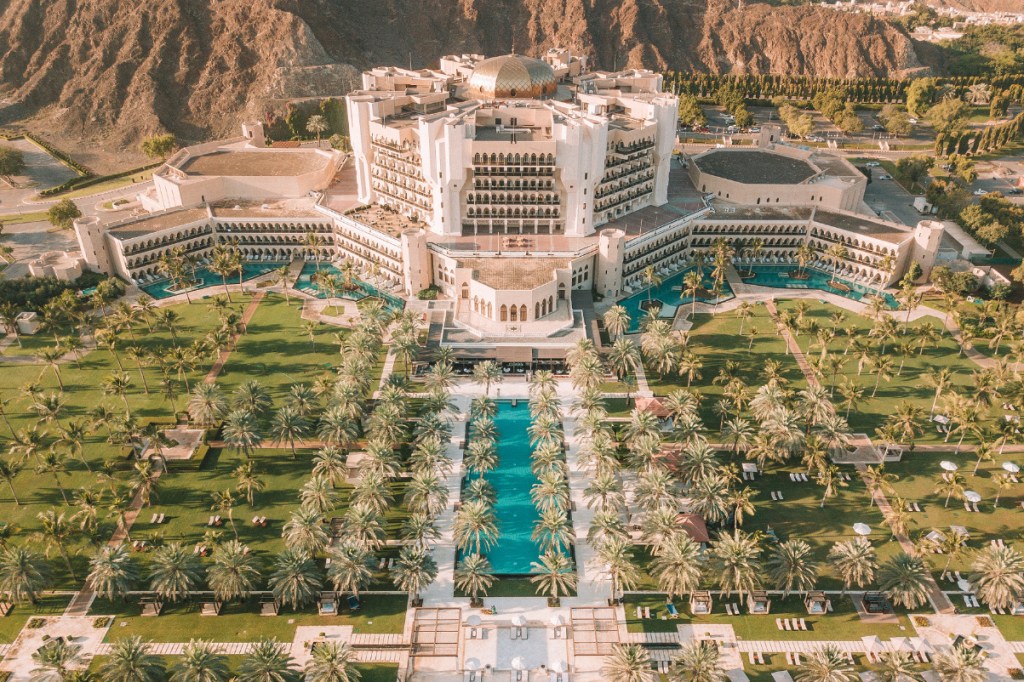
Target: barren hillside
x: 196, y: 66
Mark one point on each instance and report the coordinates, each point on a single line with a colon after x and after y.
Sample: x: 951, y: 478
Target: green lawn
x: 370, y: 672
x: 241, y: 622
x: 13, y: 622
x: 716, y: 340
x: 909, y: 385
x: 842, y: 624
x: 919, y: 475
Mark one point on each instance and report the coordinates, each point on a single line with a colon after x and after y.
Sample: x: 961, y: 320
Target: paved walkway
x: 250, y: 310
x: 794, y: 347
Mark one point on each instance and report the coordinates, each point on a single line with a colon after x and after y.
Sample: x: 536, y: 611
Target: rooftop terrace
x: 513, y: 273
x: 754, y: 167
x: 156, y: 223
x: 862, y: 225
x: 254, y: 163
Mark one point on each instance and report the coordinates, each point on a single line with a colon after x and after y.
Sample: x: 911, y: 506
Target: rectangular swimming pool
x: 512, y: 479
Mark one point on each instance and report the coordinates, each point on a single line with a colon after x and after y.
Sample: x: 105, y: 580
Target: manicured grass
x: 842, y: 624
x: 920, y: 474
x: 30, y: 217
x: 370, y: 672
x: 716, y: 340
x: 909, y: 385
x: 20, y: 614
x: 241, y: 622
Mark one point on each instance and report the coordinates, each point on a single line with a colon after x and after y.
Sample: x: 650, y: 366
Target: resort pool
x: 160, y: 289
x: 512, y: 478
x: 670, y: 294
x: 363, y: 289
x: 778, y: 276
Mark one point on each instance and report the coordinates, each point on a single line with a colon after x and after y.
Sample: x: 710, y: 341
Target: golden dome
x: 513, y: 75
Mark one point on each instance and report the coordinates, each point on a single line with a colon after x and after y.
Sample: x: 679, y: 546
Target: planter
x: 554, y: 602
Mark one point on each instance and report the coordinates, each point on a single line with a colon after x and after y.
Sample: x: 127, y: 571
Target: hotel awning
x: 515, y: 354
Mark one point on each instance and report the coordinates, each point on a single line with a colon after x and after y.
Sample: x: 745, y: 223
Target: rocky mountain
x: 195, y: 67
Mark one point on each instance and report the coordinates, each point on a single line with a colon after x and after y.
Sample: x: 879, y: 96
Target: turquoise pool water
x: 776, y: 276
x: 159, y: 289
x: 363, y: 289
x: 670, y: 294
x: 512, y: 478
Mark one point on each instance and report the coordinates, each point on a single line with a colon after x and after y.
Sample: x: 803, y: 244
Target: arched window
x: 502, y: 312
x: 515, y: 313
x: 465, y: 291
x: 522, y: 313
x: 561, y: 291
x: 536, y: 310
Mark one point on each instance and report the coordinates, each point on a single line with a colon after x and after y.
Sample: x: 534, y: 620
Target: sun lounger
x: 803, y: 624
x: 776, y: 499
x: 753, y: 658
x: 153, y: 520
x: 778, y: 623
x: 974, y: 507
x: 967, y: 601
x: 789, y: 658
x: 917, y: 507
x: 735, y: 609
x: 792, y: 476
x: 639, y: 613
x: 779, y: 493
x: 785, y: 624
x: 672, y: 611
x: 647, y: 612
x: 958, y: 576
x: 803, y: 477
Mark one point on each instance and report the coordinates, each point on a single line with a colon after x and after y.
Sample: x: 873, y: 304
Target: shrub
x: 428, y: 294
x: 63, y: 214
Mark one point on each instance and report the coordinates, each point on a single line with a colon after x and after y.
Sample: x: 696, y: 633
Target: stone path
x: 176, y: 648
x: 250, y: 310
x: 794, y: 347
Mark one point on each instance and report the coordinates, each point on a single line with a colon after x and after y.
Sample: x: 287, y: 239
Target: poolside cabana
x: 816, y: 602
x: 875, y: 602
x: 758, y: 602
x: 327, y: 604
x: 269, y: 606
x: 700, y: 603
x: 152, y: 605
x: 653, y: 405
x: 694, y: 526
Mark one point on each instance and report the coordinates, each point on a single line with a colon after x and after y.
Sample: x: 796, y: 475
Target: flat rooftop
x: 300, y: 208
x: 515, y: 274
x: 144, y: 225
x: 754, y: 167
x: 725, y: 212
x: 271, y: 163
x: 862, y: 225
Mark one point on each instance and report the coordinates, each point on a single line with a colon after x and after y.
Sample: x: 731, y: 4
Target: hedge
x: 59, y: 155
x: 89, y: 181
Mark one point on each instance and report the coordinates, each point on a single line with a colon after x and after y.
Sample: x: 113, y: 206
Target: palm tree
x: 55, y: 464
x: 555, y: 575
x: 304, y: 533
x: 487, y: 372
x: 616, y: 555
x: 51, y: 357
x: 234, y: 572
x: 414, y: 571
x: 55, y: 532
x: 224, y: 502
x: 883, y: 368
x: 473, y: 576
x: 295, y: 580
x: 207, y: 404
x: 952, y: 485
x: 175, y: 572
x: 72, y: 435
x: 118, y: 383
x: 628, y: 663
x: 693, y: 282
x: 23, y: 573
x: 249, y: 482
x: 623, y: 358
x: 267, y: 662
x: 318, y: 494
x: 351, y: 568
x: 735, y: 563
x: 130, y: 661
x: 826, y: 664
x: 897, y: 666
x: 830, y: 481
x: 113, y: 573
x: 474, y: 527
x: 241, y: 431
x: 200, y: 662
x: 854, y: 561
x: 904, y: 579
x: 332, y: 662
x: 698, y: 661
x: 8, y: 472
x: 56, y: 661
x: 616, y: 321
x: 790, y: 567
x: 677, y: 565
x: 999, y: 579
x: 226, y: 261
x: 289, y: 426
x: 961, y: 663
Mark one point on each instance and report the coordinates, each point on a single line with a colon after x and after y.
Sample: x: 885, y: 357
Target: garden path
x: 250, y: 310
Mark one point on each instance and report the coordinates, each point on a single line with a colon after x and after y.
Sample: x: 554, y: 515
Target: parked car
x: 878, y: 127
x: 755, y: 129
x: 885, y: 176
x: 1014, y: 191
x: 980, y: 192
x: 872, y: 164
x: 912, y: 121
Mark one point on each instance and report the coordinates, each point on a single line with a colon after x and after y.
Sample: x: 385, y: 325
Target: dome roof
x: 513, y: 75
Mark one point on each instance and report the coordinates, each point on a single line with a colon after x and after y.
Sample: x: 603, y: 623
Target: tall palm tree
x: 897, y: 666
x: 304, y: 533
x: 249, y: 482
x: 554, y: 575
x: 698, y: 661
x: 952, y: 485
x: 288, y: 426
x: 904, y: 579
x: 130, y: 661
x: 9, y: 471
x: 961, y: 663
x: 826, y: 664
x: 118, y: 383
x: 241, y: 431
x: 999, y: 577
x: 55, y: 532
x: 474, y: 527
x: 616, y: 321
x: 23, y: 573
x: 854, y: 561
x: 234, y: 572
x: 207, y: 404
x: 414, y: 571
x: 628, y: 663
x: 487, y: 372
x: 200, y: 662
x: 616, y: 556
x: 677, y: 565
x: 295, y: 580
x: 790, y: 566
x: 332, y: 662
x: 56, y: 661
x: 175, y: 572
x: 113, y: 572
x: 267, y: 661
x: 350, y: 569
x: 735, y: 563
x: 473, y: 576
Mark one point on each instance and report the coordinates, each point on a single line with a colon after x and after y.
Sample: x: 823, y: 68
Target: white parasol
x: 972, y: 496
x: 948, y: 466
x: 862, y: 529
x: 519, y: 620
